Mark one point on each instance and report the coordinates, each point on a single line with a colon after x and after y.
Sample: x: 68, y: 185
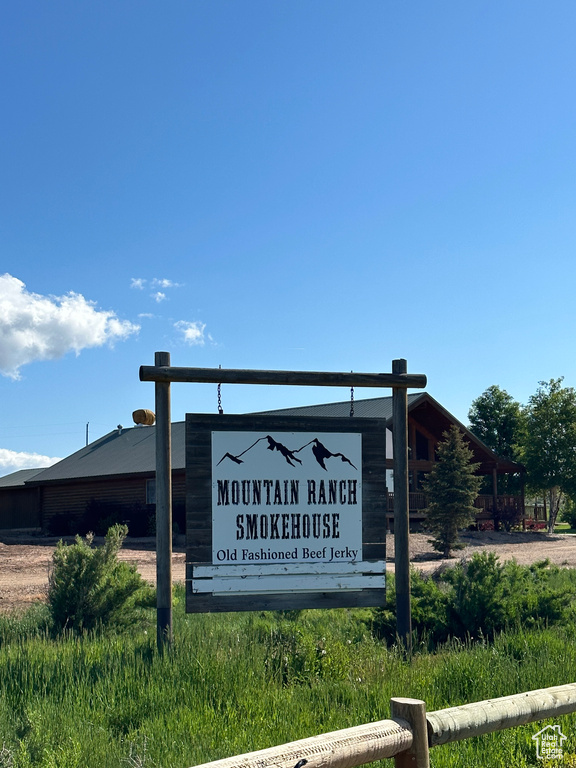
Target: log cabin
x: 113, y: 478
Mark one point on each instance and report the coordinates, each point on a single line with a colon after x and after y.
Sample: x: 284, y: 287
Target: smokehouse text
x: 287, y: 525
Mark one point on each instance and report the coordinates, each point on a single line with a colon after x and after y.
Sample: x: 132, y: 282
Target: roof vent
x: 120, y: 428
x: 144, y: 416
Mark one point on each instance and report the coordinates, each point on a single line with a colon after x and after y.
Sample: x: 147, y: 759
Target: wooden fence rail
x: 410, y: 732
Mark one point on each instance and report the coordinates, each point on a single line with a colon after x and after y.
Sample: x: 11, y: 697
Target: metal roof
x: 17, y: 479
x: 128, y: 451
x: 372, y: 408
x: 132, y: 450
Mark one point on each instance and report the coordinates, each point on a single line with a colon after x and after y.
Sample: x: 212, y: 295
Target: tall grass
x: 240, y: 682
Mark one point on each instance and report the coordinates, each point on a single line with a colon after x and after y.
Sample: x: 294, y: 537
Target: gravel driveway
x: 25, y: 562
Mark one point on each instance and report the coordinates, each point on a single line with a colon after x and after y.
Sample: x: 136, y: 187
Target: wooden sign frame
x: 199, y: 566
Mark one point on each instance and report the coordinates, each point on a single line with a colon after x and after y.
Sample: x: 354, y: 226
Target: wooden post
x: 401, y: 508
x: 163, y: 509
x: 495, y: 497
x: 413, y: 711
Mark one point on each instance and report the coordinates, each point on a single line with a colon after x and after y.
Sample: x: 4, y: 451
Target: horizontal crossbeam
x: 170, y: 374
x: 339, y: 749
x: 468, y: 720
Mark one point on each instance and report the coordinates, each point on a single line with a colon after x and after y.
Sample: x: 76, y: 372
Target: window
x: 422, y: 449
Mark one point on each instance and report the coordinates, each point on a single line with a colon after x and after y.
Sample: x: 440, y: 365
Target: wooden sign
x: 284, y: 512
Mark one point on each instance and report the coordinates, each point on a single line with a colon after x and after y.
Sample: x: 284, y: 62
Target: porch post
x: 495, y: 495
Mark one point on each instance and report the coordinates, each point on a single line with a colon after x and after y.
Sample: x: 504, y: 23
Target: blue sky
x: 279, y: 184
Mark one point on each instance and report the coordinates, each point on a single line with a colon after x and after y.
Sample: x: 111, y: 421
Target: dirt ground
x: 25, y: 561
x: 25, y: 564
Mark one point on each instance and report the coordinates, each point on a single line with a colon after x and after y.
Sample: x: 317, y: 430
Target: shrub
x: 478, y: 601
x: 569, y: 512
x: 429, y: 608
x: 62, y: 525
x: 490, y: 596
x: 90, y: 588
x: 100, y: 515
x: 480, y: 598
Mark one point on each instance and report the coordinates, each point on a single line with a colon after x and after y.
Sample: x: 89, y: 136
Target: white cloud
x: 35, y: 327
x: 163, y: 282
x: 11, y: 461
x: 193, y: 332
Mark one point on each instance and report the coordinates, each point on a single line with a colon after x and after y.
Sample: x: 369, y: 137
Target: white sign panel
x: 286, y: 497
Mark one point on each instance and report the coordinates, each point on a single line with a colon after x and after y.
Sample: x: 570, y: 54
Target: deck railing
x: 484, y: 503
x: 410, y: 733
x: 417, y: 501
x: 503, y: 502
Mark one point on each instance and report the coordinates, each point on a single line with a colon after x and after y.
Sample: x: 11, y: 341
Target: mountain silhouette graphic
x: 319, y: 451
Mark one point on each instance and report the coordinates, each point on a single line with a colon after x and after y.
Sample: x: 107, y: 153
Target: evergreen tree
x: 451, y: 487
x: 89, y: 588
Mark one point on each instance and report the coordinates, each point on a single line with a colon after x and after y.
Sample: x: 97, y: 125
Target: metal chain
x: 351, y: 400
x: 220, y: 411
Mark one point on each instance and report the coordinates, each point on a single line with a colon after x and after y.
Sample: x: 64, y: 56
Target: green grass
x: 240, y: 682
x: 564, y: 528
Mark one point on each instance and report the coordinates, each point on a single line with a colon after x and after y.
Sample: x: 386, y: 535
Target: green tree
x: 549, y: 451
x: 451, y: 487
x: 498, y: 420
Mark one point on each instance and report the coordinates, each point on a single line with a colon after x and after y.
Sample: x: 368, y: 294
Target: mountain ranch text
x: 286, y: 492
